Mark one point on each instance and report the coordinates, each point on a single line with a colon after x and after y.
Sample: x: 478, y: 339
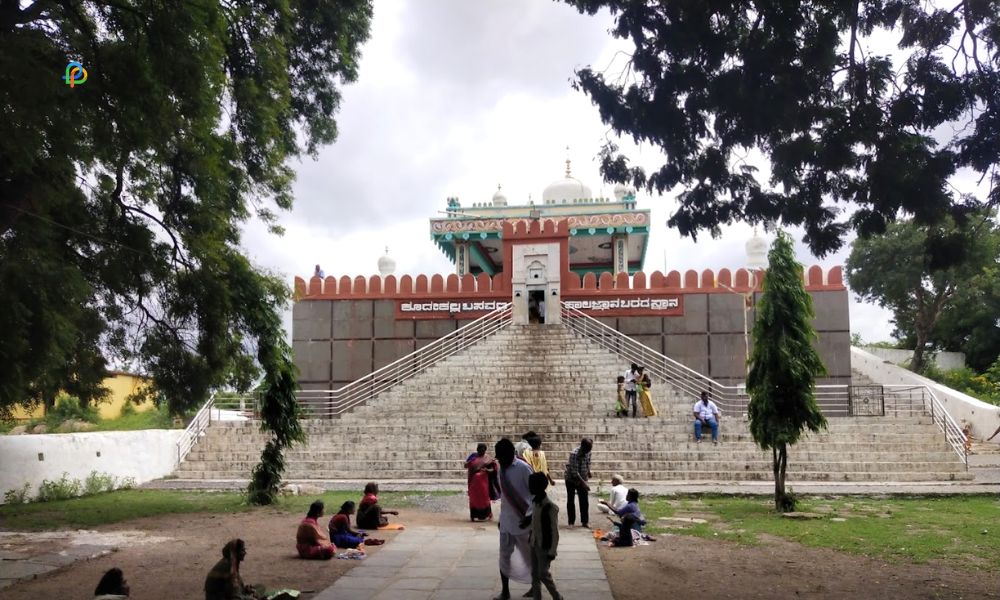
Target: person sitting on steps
x: 706, y: 413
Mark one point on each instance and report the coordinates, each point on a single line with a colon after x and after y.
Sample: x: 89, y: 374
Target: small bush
x: 20, y: 495
x: 126, y: 483
x: 128, y: 409
x: 69, y: 407
x: 63, y: 489
x: 97, y: 483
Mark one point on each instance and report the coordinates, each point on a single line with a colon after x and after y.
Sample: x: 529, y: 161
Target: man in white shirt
x: 515, y: 504
x: 617, y: 500
x: 706, y: 413
x: 630, y: 376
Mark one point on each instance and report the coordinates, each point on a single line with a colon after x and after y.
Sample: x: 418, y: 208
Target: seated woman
x: 310, y: 539
x: 112, y: 586
x: 370, y: 514
x: 224, y: 581
x: 340, y: 528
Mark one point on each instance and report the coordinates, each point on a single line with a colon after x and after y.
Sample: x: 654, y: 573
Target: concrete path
x: 982, y: 485
x: 460, y: 563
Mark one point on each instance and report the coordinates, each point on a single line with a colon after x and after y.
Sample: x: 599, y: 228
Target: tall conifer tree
x: 783, y: 365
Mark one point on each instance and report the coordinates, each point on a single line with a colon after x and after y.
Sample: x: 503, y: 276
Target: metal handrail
x: 735, y: 398
x: 189, y: 437
x: 932, y: 406
x: 327, y: 404
x: 730, y: 398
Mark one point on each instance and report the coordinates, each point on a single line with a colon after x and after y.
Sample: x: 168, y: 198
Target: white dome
x: 620, y: 191
x: 386, y: 265
x: 756, y: 252
x: 499, y: 199
x: 565, y: 190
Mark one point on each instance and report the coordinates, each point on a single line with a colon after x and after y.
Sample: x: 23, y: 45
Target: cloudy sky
x: 454, y: 98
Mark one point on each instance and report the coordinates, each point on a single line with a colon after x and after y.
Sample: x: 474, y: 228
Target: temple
x: 572, y: 250
x: 605, y: 235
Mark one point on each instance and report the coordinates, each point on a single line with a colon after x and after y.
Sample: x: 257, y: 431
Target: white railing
x: 835, y: 400
x: 202, y: 419
x: 325, y: 404
x: 731, y: 399
x: 903, y: 398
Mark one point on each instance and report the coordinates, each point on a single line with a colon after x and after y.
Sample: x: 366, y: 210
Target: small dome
x: 499, y: 199
x: 567, y: 189
x: 620, y: 191
x: 386, y: 265
x: 756, y: 252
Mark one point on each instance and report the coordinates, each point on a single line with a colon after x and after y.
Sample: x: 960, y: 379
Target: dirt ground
x: 675, y: 566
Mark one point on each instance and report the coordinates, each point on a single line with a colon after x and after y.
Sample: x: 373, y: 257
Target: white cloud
x: 454, y: 97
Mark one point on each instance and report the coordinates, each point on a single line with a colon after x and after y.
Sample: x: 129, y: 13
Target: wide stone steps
x: 691, y: 462
x: 547, y: 380
x: 722, y: 475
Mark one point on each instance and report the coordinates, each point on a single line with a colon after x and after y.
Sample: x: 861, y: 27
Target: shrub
x: 63, y: 489
x: 69, y: 407
x: 97, y: 483
x: 128, y: 409
x: 20, y: 495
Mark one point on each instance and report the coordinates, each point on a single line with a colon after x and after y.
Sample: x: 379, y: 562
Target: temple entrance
x: 536, y: 306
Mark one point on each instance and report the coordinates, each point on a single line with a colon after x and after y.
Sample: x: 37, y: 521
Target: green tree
x: 900, y: 270
x: 971, y: 324
x: 122, y: 197
x: 784, y: 365
x: 796, y: 110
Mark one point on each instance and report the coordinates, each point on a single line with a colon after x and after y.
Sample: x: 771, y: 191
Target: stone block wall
x: 338, y: 341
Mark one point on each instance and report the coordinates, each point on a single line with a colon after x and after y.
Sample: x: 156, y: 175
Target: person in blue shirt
x: 631, y: 518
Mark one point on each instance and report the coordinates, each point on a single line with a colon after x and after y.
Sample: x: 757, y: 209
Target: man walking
x: 577, y: 486
x: 515, y: 507
x: 630, y: 396
x: 706, y: 413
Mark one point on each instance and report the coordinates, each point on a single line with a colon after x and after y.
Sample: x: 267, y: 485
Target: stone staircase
x: 544, y: 378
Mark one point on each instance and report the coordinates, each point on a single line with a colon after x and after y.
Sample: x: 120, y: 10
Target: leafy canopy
x: 121, y: 199
x: 783, y: 364
x: 861, y: 110
x: 947, y: 304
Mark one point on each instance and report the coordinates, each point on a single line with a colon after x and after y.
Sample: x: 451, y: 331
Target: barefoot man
x: 515, y: 505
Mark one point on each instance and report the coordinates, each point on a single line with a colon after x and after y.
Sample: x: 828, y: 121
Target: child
x: 621, y: 409
x: 544, y: 521
x: 536, y: 458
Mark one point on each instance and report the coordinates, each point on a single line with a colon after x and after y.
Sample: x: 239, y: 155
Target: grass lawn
x: 122, y: 505
x: 962, y: 530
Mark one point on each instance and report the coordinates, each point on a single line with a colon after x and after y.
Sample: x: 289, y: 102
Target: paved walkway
x: 982, y: 485
x: 460, y: 563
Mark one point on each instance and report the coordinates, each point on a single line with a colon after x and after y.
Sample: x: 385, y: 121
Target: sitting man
x: 370, y: 513
x: 224, y: 581
x: 706, y: 413
x: 617, y: 499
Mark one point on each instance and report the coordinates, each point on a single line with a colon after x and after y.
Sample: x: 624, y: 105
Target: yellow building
x: 120, y: 386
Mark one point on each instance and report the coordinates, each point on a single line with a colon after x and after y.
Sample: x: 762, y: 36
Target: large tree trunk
x: 917, y: 363
x: 779, y: 462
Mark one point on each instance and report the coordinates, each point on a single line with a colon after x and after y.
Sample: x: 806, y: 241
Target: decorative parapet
x: 484, y: 286
x: 407, y: 286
